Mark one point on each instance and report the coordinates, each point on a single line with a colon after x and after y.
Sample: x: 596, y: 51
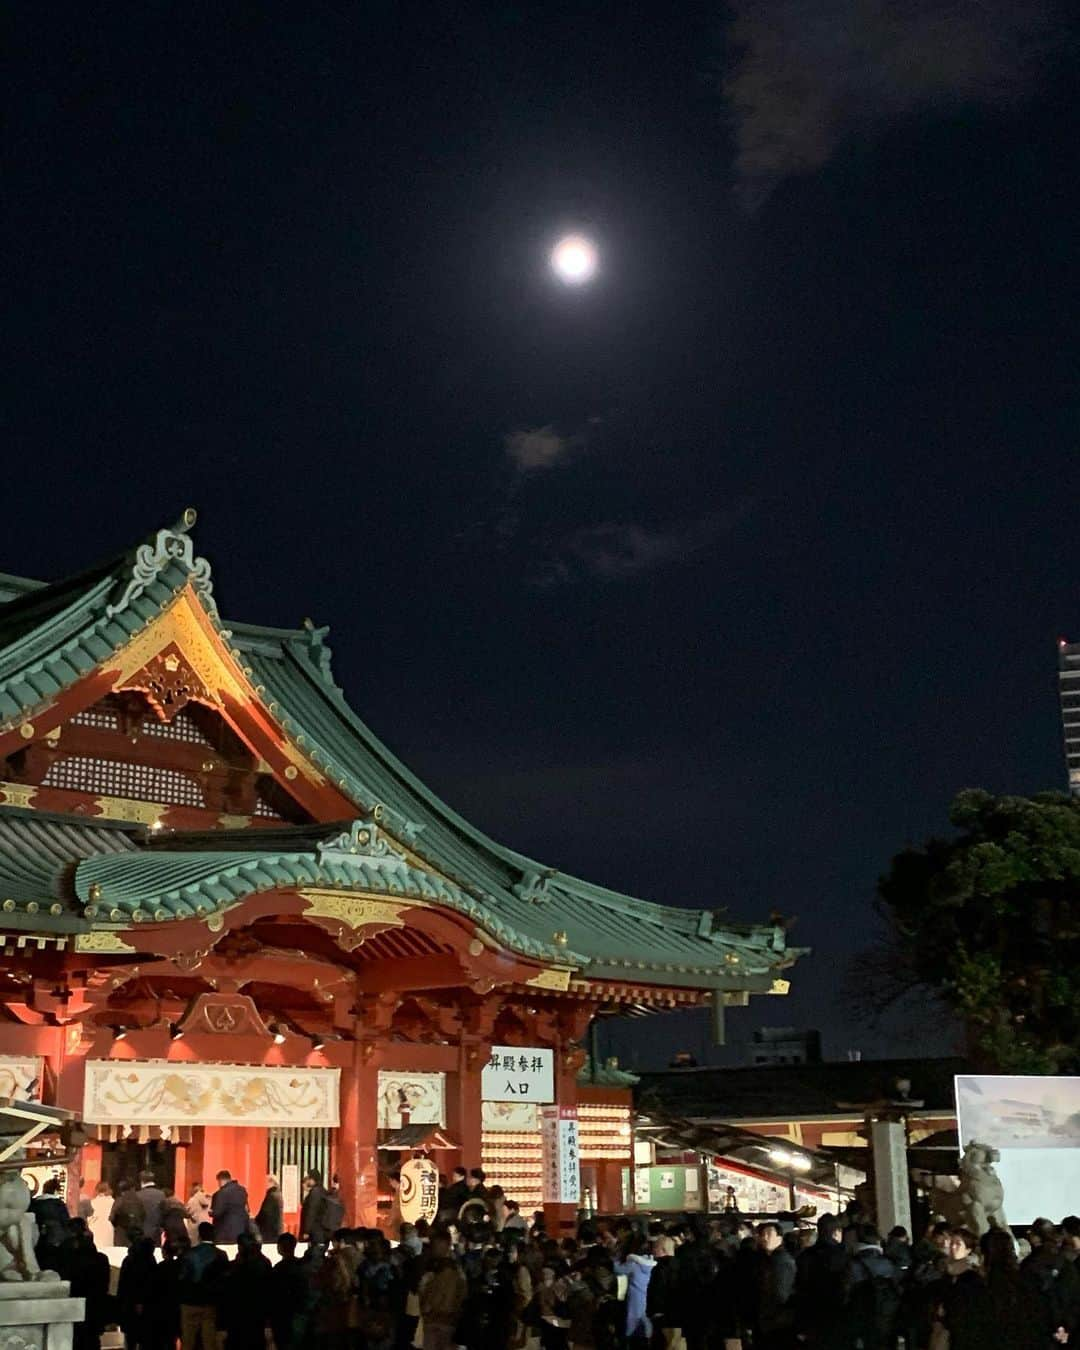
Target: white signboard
x: 562, y: 1159
x: 642, y: 1186
x: 20, y: 1078
x: 290, y: 1188
x: 156, y: 1092
x: 517, y: 1073
x: 412, y: 1098
x: 419, y: 1193
x: 1034, y: 1125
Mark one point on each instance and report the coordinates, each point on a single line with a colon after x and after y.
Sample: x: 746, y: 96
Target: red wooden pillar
x: 356, y: 1156
x: 465, y: 1116
x: 70, y: 1068
x: 239, y: 1150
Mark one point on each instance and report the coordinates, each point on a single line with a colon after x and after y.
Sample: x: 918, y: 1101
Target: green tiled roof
x: 51, y: 636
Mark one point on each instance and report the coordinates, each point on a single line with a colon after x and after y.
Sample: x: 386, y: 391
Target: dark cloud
x: 619, y: 550
x: 535, y: 449
x: 809, y: 74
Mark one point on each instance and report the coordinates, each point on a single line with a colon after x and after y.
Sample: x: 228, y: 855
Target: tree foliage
x: 990, y: 920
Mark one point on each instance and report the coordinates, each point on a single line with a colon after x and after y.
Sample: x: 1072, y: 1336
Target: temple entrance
x: 125, y: 1159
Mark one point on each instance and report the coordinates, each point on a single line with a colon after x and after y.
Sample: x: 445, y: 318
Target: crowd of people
x: 483, y: 1277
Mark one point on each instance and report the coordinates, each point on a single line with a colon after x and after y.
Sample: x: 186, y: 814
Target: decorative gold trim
x: 551, y: 979
x: 228, y: 822
x: 17, y: 794
x: 121, y: 808
x: 185, y: 624
x: 780, y: 987
x: 102, y: 941
x: 355, y: 911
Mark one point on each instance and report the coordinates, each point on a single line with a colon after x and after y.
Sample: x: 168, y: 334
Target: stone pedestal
x: 37, y: 1316
x: 889, y: 1141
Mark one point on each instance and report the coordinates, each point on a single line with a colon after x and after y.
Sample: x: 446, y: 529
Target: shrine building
x: 239, y: 934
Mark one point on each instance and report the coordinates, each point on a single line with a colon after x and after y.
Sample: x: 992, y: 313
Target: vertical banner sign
x: 518, y: 1074
x: 562, y: 1158
x: 419, y: 1193
x: 290, y: 1188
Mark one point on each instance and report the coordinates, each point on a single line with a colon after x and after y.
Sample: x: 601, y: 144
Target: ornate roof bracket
x: 533, y: 886
x: 363, y: 839
x: 151, y: 559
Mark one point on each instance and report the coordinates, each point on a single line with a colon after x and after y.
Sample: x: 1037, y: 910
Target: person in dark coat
x: 1013, y: 1311
x: 775, y: 1290
x: 153, y: 1200
x: 163, y: 1329
x: 662, y: 1298
x: 133, y: 1293
x: 1053, y: 1282
x: 290, y: 1296
x: 127, y: 1216
x: 454, y: 1196
x: 229, y: 1209
x: 52, y: 1218
x: 199, y: 1279
x: 314, y: 1218
x: 821, y: 1285
x: 874, y: 1293
x: 87, y: 1271
x: 174, y: 1220
x: 269, y: 1218
x: 244, y: 1303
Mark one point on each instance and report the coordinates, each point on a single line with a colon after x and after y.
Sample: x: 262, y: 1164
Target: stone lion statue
x: 978, y: 1202
x: 18, y: 1231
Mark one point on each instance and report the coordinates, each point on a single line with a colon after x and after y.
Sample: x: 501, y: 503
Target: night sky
x: 713, y: 580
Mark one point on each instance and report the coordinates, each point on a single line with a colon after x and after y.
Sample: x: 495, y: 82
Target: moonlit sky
x: 713, y: 579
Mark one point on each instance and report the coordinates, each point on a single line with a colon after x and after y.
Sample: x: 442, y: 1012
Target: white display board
x: 158, y: 1092
x: 290, y: 1188
x: 518, y: 1073
x: 1034, y: 1123
x: 20, y: 1077
x: 419, y: 1098
x: 561, y: 1153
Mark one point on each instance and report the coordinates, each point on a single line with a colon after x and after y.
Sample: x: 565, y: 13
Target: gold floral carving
x: 780, y: 986
x: 550, y: 979
x: 15, y: 794
x: 185, y: 626
x: 169, y: 683
x: 355, y: 911
x: 102, y: 942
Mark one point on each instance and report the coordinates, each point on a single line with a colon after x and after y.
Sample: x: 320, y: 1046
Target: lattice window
x: 183, y: 727
x: 100, y: 715
x: 305, y: 1147
x: 137, y: 782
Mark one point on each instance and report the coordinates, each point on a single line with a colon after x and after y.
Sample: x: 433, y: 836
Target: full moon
x: 574, y: 259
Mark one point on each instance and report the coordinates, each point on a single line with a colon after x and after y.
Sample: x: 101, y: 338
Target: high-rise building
x: 1069, y: 684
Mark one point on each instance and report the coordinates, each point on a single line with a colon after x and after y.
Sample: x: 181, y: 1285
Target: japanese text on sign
x: 517, y: 1073
x: 562, y: 1161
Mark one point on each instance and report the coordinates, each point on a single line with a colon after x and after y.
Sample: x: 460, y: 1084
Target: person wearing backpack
x: 315, y: 1225
x: 874, y: 1294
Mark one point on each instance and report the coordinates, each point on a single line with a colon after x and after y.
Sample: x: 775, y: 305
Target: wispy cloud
x: 620, y: 550
x: 809, y: 74
x: 535, y: 449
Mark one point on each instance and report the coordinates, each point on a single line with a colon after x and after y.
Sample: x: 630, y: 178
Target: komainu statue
x: 978, y: 1202
x: 17, y: 1233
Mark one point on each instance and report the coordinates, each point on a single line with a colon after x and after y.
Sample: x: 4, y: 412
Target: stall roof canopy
x: 53, y: 637
x: 798, y: 1091
x: 737, y: 1145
